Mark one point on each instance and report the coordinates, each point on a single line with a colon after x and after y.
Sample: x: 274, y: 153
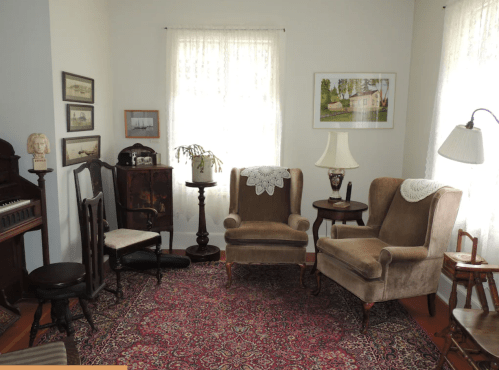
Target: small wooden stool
x: 451, y: 259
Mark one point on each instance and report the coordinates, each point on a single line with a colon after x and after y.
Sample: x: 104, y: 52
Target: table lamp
x: 337, y: 158
x: 465, y: 144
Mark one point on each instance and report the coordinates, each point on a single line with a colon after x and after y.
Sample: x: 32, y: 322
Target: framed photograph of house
x: 142, y: 124
x: 80, y: 117
x: 77, y: 88
x: 80, y: 149
x: 354, y: 100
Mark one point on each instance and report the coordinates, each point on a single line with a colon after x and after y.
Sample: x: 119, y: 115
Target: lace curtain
x: 469, y: 79
x: 225, y: 95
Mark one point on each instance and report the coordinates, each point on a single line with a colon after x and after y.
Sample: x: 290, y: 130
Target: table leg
x: 360, y: 222
x: 315, y: 232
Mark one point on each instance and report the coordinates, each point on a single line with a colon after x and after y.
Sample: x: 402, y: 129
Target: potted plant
x: 203, y: 161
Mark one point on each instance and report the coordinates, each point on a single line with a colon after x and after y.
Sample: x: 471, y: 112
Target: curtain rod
x: 233, y: 29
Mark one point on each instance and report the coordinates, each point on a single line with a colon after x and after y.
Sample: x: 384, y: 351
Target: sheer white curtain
x: 224, y: 90
x: 469, y: 79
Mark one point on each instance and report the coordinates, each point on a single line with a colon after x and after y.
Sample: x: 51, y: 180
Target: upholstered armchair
x: 265, y: 227
x: 398, y: 254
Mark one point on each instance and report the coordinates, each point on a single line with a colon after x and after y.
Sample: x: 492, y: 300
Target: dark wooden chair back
x: 93, y: 243
x: 96, y: 168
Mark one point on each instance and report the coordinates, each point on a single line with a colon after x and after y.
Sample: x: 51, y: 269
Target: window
x: 467, y: 81
x: 224, y: 88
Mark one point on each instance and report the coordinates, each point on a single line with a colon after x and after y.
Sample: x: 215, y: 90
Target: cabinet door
x: 139, y: 196
x: 161, y: 196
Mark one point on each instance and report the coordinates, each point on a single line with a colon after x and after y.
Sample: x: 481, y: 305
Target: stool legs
x: 36, y: 323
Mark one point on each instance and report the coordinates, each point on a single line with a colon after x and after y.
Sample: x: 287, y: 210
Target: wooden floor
x: 17, y: 336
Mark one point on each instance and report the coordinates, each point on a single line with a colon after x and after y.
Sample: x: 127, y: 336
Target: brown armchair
x: 265, y: 228
x: 398, y: 254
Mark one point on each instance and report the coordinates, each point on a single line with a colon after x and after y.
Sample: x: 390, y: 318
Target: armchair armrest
x: 398, y: 254
x: 476, y: 268
x: 298, y: 222
x: 232, y: 221
x: 350, y: 231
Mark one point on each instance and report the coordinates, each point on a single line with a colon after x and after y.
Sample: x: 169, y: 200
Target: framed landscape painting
x: 80, y: 149
x: 354, y: 100
x: 80, y: 117
x: 77, y: 88
x: 142, y: 124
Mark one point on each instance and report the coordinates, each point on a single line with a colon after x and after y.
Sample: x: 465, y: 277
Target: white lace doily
x: 266, y: 178
x: 414, y: 190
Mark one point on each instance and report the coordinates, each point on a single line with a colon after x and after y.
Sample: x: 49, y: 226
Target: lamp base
x: 336, y: 178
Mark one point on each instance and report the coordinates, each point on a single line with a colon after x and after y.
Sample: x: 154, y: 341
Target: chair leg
x: 431, y: 303
x: 36, y: 323
x: 87, y: 313
x: 171, y: 242
x: 302, y: 273
x: 447, y: 345
x: 228, y: 267
x: 119, y: 287
x: 159, y: 275
x: 365, y: 320
x: 318, y: 276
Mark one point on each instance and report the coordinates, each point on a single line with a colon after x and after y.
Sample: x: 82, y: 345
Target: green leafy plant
x: 194, y: 150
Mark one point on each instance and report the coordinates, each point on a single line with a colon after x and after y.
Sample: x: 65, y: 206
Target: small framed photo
x: 77, y: 88
x: 142, y: 124
x: 80, y: 149
x: 80, y: 117
x: 354, y: 100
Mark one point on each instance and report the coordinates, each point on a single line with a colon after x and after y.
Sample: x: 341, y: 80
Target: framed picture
x: 77, y: 88
x: 80, y: 149
x: 142, y: 124
x: 80, y: 117
x: 354, y: 100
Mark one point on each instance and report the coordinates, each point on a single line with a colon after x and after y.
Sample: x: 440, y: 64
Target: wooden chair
x: 480, y: 326
x: 59, y: 282
x: 119, y: 242
x: 458, y: 277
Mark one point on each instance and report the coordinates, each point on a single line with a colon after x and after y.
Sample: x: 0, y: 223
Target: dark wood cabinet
x: 147, y: 186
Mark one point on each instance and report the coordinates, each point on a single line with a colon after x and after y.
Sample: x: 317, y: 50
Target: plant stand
x: 202, y: 251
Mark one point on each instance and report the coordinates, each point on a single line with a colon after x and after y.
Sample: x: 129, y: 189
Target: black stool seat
x: 58, y: 275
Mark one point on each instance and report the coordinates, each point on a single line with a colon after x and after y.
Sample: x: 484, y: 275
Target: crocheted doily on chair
x: 266, y: 178
x: 414, y: 190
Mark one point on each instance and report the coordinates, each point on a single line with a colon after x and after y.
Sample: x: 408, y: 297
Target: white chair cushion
x: 121, y: 238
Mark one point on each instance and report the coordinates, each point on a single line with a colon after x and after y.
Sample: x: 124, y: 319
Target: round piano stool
x: 50, y: 282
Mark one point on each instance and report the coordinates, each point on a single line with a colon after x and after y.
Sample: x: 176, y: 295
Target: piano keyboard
x: 13, y: 204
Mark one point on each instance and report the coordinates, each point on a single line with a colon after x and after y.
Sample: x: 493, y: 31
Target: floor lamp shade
x: 463, y: 145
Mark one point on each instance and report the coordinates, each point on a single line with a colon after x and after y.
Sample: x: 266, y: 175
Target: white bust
x: 38, y: 145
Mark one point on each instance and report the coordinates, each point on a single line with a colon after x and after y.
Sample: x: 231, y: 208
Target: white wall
x: 321, y: 36
x: 27, y: 105
x: 425, y: 63
x: 80, y: 45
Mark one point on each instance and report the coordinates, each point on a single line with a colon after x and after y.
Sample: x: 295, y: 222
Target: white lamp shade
x: 337, y: 153
x: 463, y: 145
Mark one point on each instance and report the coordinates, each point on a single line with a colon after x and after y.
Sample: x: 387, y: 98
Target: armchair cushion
x: 351, y: 231
x: 120, y: 238
x: 361, y: 255
x: 266, y: 232
x: 395, y: 230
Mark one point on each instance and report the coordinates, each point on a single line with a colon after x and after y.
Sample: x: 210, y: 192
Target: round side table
x: 325, y: 210
x: 202, y: 251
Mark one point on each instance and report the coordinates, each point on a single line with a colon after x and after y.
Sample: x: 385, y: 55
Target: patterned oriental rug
x: 264, y: 321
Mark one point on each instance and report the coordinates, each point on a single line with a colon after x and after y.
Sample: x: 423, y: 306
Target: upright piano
x: 22, y: 209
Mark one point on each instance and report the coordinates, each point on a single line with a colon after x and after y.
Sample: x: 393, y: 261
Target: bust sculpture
x: 38, y: 145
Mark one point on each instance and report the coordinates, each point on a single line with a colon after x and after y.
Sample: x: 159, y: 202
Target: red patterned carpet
x: 264, y: 321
